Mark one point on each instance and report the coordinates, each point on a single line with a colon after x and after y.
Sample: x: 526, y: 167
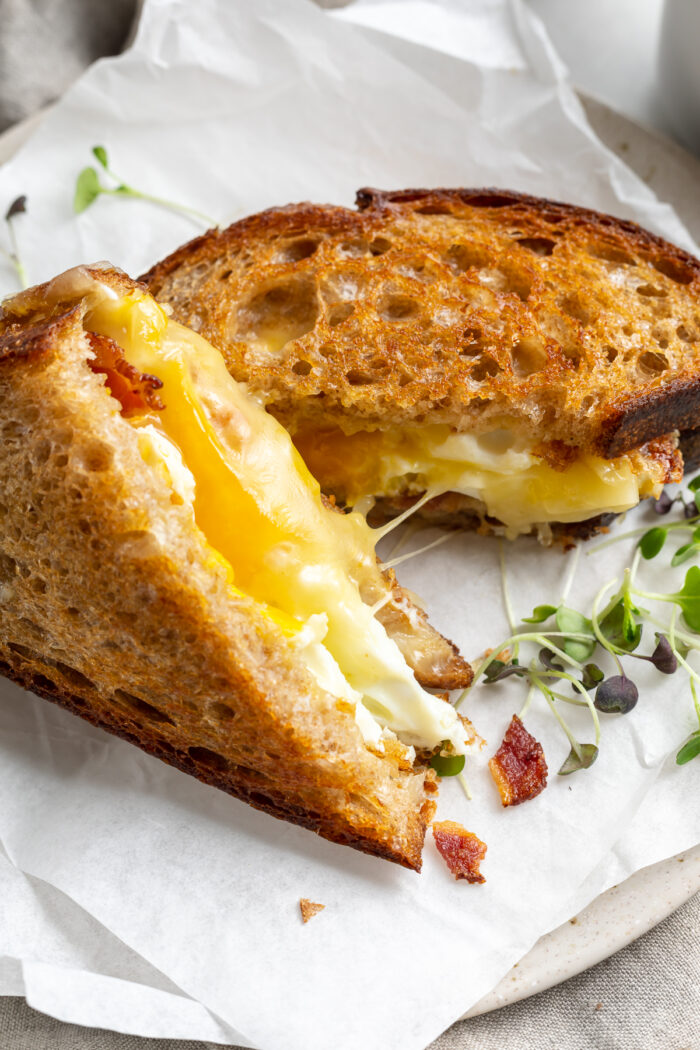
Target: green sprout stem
x: 674, y: 526
x: 124, y: 190
x: 596, y: 618
x: 546, y: 692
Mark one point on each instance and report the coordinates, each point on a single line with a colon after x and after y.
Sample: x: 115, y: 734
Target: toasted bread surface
x: 114, y: 608
x: 474, y: 308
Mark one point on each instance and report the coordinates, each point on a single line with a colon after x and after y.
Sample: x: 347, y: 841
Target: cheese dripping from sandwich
x: 262, y: 514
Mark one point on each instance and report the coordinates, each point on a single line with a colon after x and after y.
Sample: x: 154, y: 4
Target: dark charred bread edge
x: 686, y: 267
x: 238, y: 781
x: 655, y: 411
x: 673, y: 406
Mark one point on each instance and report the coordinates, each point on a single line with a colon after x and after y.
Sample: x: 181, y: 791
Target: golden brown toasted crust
x: 464, y: 307
x: 112, y: 608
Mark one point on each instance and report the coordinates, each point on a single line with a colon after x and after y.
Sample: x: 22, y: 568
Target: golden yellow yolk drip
x: 261, y: 510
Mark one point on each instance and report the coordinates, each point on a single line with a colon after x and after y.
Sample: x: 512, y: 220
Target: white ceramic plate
x: 626, y: 911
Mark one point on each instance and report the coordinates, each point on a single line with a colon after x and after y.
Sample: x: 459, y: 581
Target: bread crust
x: 577, y: 326
x: 111, y: 607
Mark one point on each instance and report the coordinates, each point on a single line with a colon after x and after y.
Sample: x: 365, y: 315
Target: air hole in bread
x: 396, y: 307
x: 587, y: 404
x: 165, y: 747
x: 222, y: 712
x: 575, y: 306
x: 673, y: 268
x: 485, y: 366
x: 41, y: 683
x: 23, y: 650
x: 295, y: 251
x: 380, y: 245
x: 38, y: 585
x: 651, y: 291
x: 205, y: 757
x: 686, y: 335
x: 488, y: 200
x: 612, y: 253
x: 225, y: 274
x: 357, y: 378
x: 302, y: 368
x: 37, y: 632
x: 610, y: 353
x: 405, y: 379
x: 538, y: 245
x: 76, y: 678
x: 279, y: 314
x: 8, y: 568
x: 529, y: 357
x: 42, y: 452
x: 434, y: 209
x: 379, y: 363
x: 96, y: 457
x: 463, y: 257
x: 339, y: 313
x: 473, y: 345
x: 61, y: 460
x: 650, y: 363
x: 510, y: 280
x: 145, y: 709
x: 12, y: 429
x: 353, y: 248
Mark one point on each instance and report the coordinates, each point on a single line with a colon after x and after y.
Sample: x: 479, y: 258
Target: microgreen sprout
x: 572, y: 646
x: 88, y: 188
x: 18, y: 207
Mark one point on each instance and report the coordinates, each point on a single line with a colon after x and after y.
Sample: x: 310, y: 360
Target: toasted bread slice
x: 116, y: 605
x: 429, y: 313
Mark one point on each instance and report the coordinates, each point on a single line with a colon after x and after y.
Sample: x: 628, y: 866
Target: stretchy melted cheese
x: 261, y: 511
x: 516, y: 487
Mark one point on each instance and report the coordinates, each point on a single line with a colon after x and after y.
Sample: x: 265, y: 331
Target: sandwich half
x: 517, y: 364
x: 171, y: 572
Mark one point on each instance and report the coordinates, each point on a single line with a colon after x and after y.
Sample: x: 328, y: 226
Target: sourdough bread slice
x: 113, y: 607
x: 457, y: 307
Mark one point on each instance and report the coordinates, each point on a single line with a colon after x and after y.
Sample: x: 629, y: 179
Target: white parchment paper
x: 136, y: 897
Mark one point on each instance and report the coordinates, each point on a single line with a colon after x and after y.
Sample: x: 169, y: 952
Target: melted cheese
x: 517, y: 487
x: 262, y: 514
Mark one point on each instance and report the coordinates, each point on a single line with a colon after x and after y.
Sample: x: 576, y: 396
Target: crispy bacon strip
x: 309, y: 908
x: 136, y: 391
x: 462, y: 851
x: 518, y: 767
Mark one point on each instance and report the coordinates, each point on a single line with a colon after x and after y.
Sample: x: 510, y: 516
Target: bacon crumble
x: 135, y: 391
x: 518, y: 767
x: 461, y: 850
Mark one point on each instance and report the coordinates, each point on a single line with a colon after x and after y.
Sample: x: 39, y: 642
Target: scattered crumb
x: 599, y: 1006
x: 309, y: 908
x: 573, y: 921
